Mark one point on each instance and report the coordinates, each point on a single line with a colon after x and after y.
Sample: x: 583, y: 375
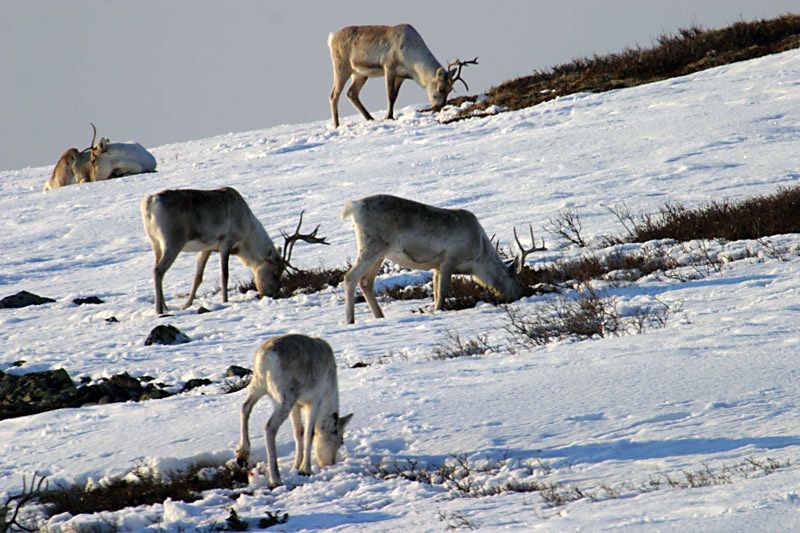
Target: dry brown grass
x: 751, y: 218
x: 686, y: 51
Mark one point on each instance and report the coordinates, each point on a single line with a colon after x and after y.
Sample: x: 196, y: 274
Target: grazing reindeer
x: 214, y: 221
x: 299, y: 374
x: 415, y: 235
x: 396, y: 52
x: 100, y: 162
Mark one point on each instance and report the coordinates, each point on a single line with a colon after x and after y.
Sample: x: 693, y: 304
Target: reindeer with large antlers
x: 396, y: 52
x: 219, y: 220
x: 416, y: 235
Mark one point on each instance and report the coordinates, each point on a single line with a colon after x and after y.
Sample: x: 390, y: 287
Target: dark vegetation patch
x: 456, y: 345
x: 588, y: 315
x: 140, y: 487
x: 302, y: 281
x: 687, y: 51
x: 144, y: 487
x: 751, y: 218
x: 460, y: 476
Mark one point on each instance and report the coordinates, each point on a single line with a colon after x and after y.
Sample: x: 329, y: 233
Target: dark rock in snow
x: 237, y: 371
x: 166, y: 334
x: 194, y: 383
x: 88, y: 300
x: 23, y: 299
x: 54, y: 389
x: 202, y: 310
x: 111, y: 319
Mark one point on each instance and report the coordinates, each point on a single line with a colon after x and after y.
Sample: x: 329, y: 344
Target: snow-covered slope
x: 718, y: 384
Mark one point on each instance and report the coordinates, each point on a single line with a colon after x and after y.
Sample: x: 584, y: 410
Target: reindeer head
x: 444, y: 82
x: 268, y: 275
x: 438, y: 89
x: 329, y: 437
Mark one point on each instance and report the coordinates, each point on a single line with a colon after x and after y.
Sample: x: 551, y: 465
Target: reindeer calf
x: 299, y: 374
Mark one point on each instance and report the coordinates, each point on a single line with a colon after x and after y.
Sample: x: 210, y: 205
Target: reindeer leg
x: 297, y: 427
x: 278, y: 417
x: 202, y: 259
x: 224, y: 255
x: 391, y: 91
x: 435, y: 285
x: 353, y: 276
x: 339, y: 79
x: 445, y: 271
x: 243, y: 449
x: 308, y: 437
x: 352, y: 93
x: 168, y: 254
x: 367, y: 285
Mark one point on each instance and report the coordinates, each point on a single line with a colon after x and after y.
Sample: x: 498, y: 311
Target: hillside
x: 714, y: 393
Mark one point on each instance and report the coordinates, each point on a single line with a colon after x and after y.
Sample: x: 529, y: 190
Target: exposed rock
x: 154, y: 394
x: 111, y: 319
x: 88, y: 300
x: 23, y: 299
x: 194, y: 383
x: 166, y: 334
x: 53, y: 389
x: 237, y: 371
x: 202, y: 310
x: 359, y: 364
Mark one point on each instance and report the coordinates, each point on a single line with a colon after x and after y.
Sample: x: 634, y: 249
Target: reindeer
x: 100, y: 162
x: 396, y: 52
x: 220, y: 220
x: 299, y: 374
x: 416, y: 235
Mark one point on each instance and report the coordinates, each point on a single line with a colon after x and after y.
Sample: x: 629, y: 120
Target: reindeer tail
x: 347, y: 212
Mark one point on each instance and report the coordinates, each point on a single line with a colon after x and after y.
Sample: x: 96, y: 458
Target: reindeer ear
x: 441, y: 73
x: 342, y: 422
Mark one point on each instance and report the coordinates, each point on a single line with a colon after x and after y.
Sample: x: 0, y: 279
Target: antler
x: 460, y: 64
x: 520, y: 262
x: 290, y: 240
x: 94, y: 135
x: 19, y: 500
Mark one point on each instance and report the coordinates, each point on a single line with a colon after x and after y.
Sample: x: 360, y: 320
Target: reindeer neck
x: 495, y: 274
x: 258, y: 247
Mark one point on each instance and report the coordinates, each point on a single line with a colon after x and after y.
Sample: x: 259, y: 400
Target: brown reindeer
x: 396, y: 52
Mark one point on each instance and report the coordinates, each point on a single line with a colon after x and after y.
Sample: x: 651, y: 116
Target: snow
x: 718, y: 384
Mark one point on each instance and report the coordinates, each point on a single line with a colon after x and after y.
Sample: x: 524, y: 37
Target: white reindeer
x: 219, y: 220
x: 299, y: 374
x: 396, y: 52
x: 99, y: 162
x: 416, y: 235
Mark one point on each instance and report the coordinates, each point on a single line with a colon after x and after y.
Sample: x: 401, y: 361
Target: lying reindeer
x: 220, y: 220
x: 396, y: 52
x: 415, y: 235
x: 299, y: 374
x: 100, y: 162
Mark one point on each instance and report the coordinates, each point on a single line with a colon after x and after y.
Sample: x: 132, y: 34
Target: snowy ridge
x: 718, y: 384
